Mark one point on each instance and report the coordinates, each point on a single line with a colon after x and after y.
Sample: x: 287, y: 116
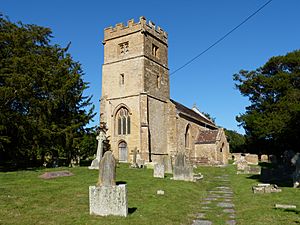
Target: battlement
x: 132, y: 27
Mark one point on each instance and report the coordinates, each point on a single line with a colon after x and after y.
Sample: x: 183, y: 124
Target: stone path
x: 217, y: 204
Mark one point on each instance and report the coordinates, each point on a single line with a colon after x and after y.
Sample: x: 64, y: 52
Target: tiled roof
x: 207, y: 137
x: 185, y: 110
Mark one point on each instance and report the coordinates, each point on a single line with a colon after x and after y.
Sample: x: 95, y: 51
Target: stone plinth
x: 159, y: 171
x: 108, y: 200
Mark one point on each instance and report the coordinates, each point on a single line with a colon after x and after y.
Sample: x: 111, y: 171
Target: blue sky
x: 192, y: 26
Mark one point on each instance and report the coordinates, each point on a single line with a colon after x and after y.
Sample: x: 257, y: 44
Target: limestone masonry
x: 136, y: 104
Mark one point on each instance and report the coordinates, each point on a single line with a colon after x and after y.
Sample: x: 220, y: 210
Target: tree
x: 236, y: 141
x: 272, y: 121
x: 42, y: 106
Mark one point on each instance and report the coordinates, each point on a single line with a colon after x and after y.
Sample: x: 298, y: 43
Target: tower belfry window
x: 124, y: 48
x: 154, y: 50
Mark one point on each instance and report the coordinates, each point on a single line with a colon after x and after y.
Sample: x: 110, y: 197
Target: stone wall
x: 157, y: 127
x: 215, y: 153
x: 132, y: 139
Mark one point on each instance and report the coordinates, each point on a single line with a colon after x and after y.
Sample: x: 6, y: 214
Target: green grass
x: 260, y: 208
x: 27, y: 199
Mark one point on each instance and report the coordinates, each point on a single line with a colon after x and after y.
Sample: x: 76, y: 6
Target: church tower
x: 135, y: 89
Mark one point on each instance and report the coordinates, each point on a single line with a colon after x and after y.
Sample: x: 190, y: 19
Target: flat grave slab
x: 55, y: 174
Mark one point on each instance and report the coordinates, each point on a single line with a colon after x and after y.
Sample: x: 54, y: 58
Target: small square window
x: 154, y: 50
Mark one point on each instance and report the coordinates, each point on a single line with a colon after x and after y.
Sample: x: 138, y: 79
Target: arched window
x: 122, y: 121
x: 187, y: 137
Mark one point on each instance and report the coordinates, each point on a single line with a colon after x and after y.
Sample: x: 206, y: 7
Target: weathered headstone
x: 296, y: 175
x: 167, y: 163
x: 107, y: 198
x: 159, y: 170
x: 250, y: 170
x: 251, y: 159
x: 264, y: 158
x: 134, y: 157
x: 101, y: 138
x: 241, y: 164
x: 182, y: 171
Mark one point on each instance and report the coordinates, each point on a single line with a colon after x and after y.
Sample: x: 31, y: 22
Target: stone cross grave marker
x: 101, y: 138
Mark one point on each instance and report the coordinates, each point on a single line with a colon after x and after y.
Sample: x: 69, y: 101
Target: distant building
x: 136, y: 104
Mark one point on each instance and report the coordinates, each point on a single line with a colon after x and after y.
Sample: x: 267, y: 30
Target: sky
x: 192, y: 26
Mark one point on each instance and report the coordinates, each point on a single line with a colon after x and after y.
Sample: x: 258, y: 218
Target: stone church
x: 136, y: 104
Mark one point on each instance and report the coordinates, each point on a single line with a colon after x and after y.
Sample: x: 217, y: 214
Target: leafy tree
x: 272, y: 121
x: 236, y: 141
x: 42, y: 107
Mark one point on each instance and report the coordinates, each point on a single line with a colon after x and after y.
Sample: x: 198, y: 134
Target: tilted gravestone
x: 107, y: 198
x: 182, y: 171
x: 159, y: 170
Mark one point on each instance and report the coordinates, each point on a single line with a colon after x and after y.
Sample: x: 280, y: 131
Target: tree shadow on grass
x: 296, y: 211
x: 274, y: 174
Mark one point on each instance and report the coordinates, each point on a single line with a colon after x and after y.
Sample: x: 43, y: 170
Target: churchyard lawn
x: 27, y: 199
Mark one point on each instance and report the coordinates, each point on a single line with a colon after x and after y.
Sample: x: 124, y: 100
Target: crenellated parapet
x: 143, y: 26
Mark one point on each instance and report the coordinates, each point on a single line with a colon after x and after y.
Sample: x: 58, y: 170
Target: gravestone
x: 242, y: 164
x: 296, y: 175
x: 252, y: 159
x: 159, y: 170
x: 101, y: 138
x: 55, y: 174
x: 264, y: 158
x: 250, y: 170
x: 134, y: 158
x: 107, y: 198
x: 167, y: 161
x: 182, y: 171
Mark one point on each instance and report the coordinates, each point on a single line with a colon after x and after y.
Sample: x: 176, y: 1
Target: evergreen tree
x: 42, y: 107
x: 272, y: 121
x: 236, y: 141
